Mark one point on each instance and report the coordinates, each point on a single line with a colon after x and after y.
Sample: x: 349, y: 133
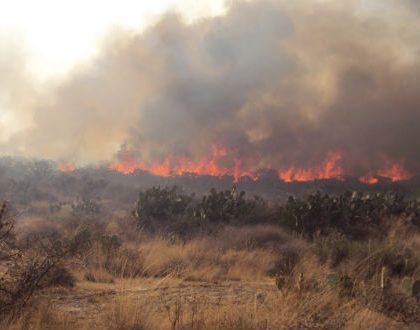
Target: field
x: 220, y: 260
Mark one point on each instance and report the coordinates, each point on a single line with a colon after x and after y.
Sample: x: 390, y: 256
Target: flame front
x: 329, y: 169
x: 207, y: 166
x: 393, y: 171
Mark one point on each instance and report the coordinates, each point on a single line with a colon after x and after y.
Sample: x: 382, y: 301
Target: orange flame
x: 393, y: 171
x: 168, y: 167
x: 369, y: 179
x: 66, y: 167
x: 329, y: 169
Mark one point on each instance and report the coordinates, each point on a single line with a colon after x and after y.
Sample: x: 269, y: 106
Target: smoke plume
x: 271, y: 84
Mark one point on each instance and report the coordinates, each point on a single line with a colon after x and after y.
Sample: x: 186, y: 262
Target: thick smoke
x: 278, y: 83
x: 16, y: 89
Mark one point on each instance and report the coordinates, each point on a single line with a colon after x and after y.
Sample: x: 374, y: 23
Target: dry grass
x: 265, y: 309
x: 129, y: 314
x: 233, y: 254
x: 224, y: 281
x: 41, y: 316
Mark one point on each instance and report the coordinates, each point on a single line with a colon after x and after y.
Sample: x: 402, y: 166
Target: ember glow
x: 66, y: 167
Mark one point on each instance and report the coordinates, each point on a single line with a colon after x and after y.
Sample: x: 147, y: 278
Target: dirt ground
x: 91, y: 302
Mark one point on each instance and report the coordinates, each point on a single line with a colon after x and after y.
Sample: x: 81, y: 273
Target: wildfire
x: 66, y: 167
x: 393, y: 171
x: 329, y: 169
x: 369, y: 179
x: 207, y: 166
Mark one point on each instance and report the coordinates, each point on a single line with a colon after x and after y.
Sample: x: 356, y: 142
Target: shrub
x: 86, y: 206
x: 332, y: 279
x: 356, y: 214
x: 160, y: 205
x: 230, y: 206
x: 58, y: 276
x: 416, y: 289
x: 407, y: 286
x: 182, y: 214
x: 332, y: 249
x: 40, y: 268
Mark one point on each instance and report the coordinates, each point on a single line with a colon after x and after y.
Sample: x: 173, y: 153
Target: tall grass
x: 226, y: 280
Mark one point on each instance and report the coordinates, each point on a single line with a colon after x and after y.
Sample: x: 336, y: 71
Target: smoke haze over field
x: 272, y: 84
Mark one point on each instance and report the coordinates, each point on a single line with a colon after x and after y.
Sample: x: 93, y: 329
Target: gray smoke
x: 276, y: 82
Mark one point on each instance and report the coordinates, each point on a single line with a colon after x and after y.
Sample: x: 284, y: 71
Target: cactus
x: 343, y: 283
x: 280, y: 281
x: 416, y: 289
x: 346, y: 286
x: 406, y: 286
x: 332, y: 279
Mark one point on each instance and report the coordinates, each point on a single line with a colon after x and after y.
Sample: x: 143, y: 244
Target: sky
x: 57, y: 34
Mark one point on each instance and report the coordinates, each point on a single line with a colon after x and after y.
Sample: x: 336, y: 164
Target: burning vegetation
x: 330, y: 169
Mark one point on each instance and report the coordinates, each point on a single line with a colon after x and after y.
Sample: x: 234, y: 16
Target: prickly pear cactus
x: 346, y: 286
x: 332, y: 279
x: 416, y: 289
x: 280, y: 281
x: 406, y: 286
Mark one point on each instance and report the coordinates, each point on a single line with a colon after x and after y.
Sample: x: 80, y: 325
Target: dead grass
x: 129, y: 314
x: 169, y: 304
x: 187, y: 309
x: 41, y: 316
x: 248, y: 253
x: 224, y: 281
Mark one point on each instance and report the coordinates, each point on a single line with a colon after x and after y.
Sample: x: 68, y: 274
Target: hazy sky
x: 46, y: 39
x: 58, y: 33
